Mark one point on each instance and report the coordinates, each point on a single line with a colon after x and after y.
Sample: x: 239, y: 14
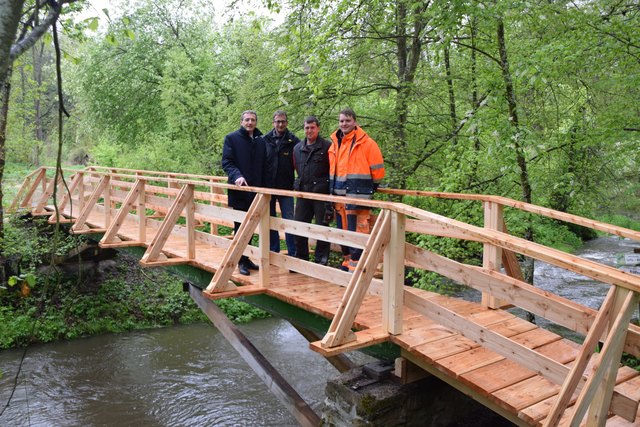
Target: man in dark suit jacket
x: 243, y: 158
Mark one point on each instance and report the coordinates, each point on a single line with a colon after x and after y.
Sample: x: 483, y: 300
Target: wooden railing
x: 186, y: 204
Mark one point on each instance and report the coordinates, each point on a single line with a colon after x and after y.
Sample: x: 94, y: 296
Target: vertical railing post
x: 81, y: 191
x: 263, y: 242
x: 213, y: 227
x: 114, y: 204
x: 142, y: 212
x: 172, y: 184
x: 492, y: 254
x: 191, y: 223
x: 107, y: 203
x: 393, y: 276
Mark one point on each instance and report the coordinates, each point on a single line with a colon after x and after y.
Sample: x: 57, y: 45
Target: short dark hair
x: 248, y: 112
x: 312, y: 119
x: 349, y: 113
x: 280, y: 113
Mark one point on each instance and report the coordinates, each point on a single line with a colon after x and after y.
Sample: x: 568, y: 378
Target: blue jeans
x: 286, y: 207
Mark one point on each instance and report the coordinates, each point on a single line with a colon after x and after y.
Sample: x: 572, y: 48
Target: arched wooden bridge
x: 529, y: 375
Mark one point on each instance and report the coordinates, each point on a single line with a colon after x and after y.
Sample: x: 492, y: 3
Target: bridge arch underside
x: 527, y: 374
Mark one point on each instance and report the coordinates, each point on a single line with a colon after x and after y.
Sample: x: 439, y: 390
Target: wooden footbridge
x: 529, y: 375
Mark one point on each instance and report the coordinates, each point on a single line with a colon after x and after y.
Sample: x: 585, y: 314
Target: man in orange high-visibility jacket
x: 356, y: 168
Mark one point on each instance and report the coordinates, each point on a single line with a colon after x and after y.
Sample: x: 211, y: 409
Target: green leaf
x: 31, y: 279
x: 129, y: 33
x: 13, y: 280
x: 111, y: 39
x: 93, y: 24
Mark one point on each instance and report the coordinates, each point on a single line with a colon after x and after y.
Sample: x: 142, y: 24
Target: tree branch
x: 29, y: 39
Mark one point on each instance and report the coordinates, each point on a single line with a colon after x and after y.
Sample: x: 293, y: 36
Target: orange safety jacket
x: 356, y: 166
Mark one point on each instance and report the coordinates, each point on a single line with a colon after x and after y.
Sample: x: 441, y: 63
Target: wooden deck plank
x: 423, y: 334
x: 444, y: 347
x: 513, y: 327
x: 462, y: 363
x: 536, y: 338
x: 526, y: 393
x: 563, y: 351
x: 496, y: 376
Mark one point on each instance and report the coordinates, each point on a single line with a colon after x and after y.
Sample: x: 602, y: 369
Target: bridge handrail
x: 219, y: 182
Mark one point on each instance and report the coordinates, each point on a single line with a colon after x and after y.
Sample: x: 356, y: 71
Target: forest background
x: 533, y: 100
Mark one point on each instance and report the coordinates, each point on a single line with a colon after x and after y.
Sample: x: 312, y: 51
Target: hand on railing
x: 329, y: 213
x: 241, y: 181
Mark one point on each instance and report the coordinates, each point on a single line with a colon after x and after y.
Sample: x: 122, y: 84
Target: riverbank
x: 107, y: 296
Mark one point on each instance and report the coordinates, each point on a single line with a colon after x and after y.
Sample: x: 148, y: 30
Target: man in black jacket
x: 279, y: 173
x: 243, y: 157
x: 311, y: 159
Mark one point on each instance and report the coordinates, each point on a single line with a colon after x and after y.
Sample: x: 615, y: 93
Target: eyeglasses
x: 279, y: 121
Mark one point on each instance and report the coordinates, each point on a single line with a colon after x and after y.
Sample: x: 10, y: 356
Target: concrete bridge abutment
x: 373, y: 396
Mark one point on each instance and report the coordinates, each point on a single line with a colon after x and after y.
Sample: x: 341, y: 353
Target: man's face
x: 311, y: 131
x: 347, y: 123
x: 249, y: 122
x: 280, y: 124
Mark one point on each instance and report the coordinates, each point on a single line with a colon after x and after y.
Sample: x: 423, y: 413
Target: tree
x: 163, y: 96
x: 37, y: 19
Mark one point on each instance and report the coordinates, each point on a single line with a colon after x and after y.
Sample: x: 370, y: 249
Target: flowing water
x: 570, y: 285
x: 190, y: 375
x: 179, y: 376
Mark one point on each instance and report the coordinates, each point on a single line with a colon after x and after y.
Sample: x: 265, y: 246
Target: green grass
x: 13, y: 177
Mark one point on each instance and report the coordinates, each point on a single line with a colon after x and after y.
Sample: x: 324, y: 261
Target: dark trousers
x: 306, y: 210
x: 236, y: 226
x: 286, y: 209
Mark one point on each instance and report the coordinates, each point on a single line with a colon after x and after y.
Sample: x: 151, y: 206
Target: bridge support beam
x: 303, y: 413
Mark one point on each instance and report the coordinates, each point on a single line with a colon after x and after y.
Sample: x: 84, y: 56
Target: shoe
x: 250, y: 265
x: 243, y: 269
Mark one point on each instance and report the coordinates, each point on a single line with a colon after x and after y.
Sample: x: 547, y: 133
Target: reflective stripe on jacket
x: 356, y: 164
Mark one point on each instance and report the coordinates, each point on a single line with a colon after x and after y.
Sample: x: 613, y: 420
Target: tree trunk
x: 513, y: 114
x: 518, y: 144
x: 452, y: 97
x: 38, y: 58
x: 10, y: 12
x: 5, y: 91
x: 409, y: 47
x: 397, y: 177
x: 473, y: 173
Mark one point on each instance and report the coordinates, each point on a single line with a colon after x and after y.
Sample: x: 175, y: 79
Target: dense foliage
x: 535, y: 101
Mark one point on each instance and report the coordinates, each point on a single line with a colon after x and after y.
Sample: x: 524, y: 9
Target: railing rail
x: 172, y: 203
